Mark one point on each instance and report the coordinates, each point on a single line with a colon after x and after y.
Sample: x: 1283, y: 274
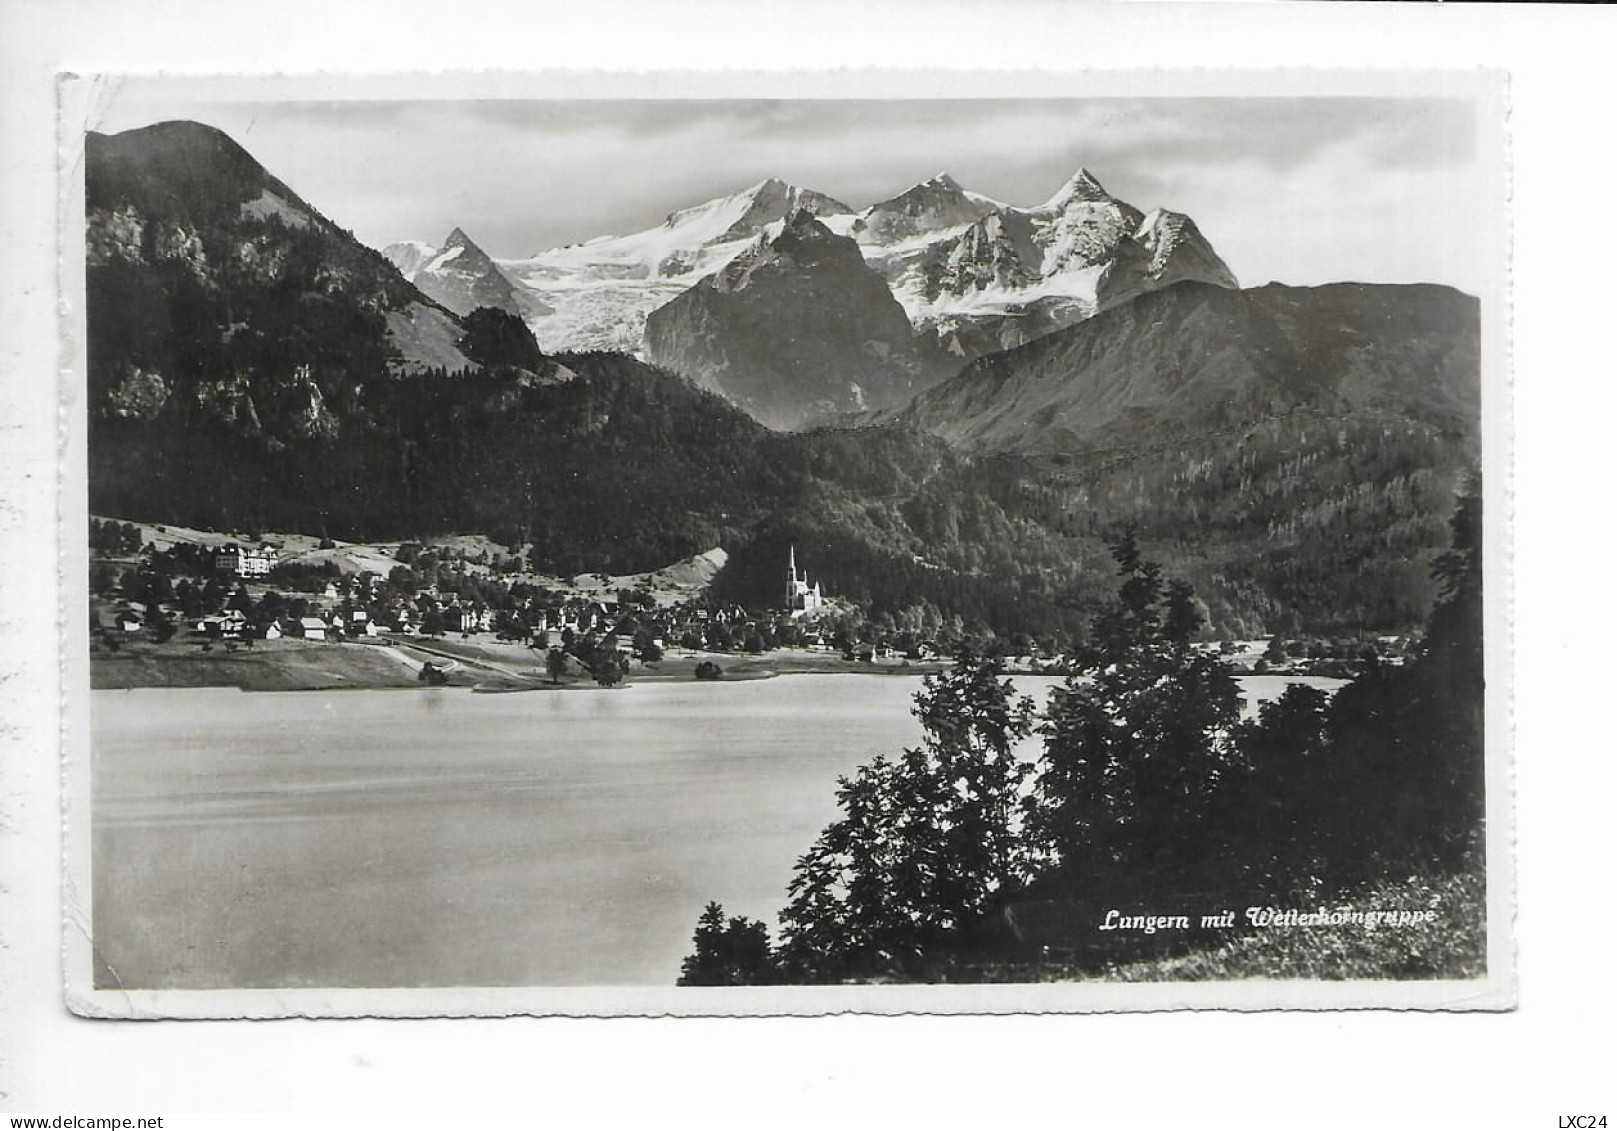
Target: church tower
x: 801, y: 597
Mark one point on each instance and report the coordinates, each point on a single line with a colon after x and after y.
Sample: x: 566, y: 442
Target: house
x: 457, y: 618
x: 130, y: 621
x: 245, y: 561
x: 228, y: 626
x: 312, y: 628
x: 273, y: 630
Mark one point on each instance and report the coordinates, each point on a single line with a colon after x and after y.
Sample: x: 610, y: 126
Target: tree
x: 213, y: 595
x: 733, y: 953
x: 1137, y: 739
x: 1408, y: 742
x: 158, y: 622
x: 606, y: 666
x: 927, y: 843
x: 270, y: 607
x: 555, y: 664
x: 1269, y: 819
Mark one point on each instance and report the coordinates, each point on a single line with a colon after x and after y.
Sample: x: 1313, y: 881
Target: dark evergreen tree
x: 927, y: 843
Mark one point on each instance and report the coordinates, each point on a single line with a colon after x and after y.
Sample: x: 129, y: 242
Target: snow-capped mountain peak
x: 460, y: 250
x: 934, y: 205
x: 1082, y: 186
x: 744, y: 214
x: 1179, y: 250
x: 461, y: 276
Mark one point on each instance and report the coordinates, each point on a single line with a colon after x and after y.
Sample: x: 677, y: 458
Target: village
x: 466, y: 608
x: 168, y: 605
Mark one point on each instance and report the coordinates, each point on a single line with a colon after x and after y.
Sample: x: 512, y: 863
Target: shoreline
x: 394, y: 664
x: 485, y: 666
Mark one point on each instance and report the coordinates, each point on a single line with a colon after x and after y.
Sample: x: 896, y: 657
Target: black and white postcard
x: 696, y: 544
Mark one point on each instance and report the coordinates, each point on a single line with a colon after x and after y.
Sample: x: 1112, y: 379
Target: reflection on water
x: 441, y: 837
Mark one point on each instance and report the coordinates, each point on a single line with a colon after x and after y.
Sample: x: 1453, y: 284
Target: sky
x: 1300, y: 190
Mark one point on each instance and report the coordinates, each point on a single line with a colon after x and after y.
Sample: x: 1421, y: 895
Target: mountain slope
x: 1295, y: 452
x: 1195, y: 359
x: 178, y: 214
x: 795, y: 328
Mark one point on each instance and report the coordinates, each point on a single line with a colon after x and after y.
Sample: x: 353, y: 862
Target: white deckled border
x: 81, y: 102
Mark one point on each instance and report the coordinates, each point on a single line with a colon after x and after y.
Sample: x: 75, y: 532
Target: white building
x: 802, y: 599
x: 245, y: 561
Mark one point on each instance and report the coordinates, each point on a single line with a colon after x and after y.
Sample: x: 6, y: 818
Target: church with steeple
x: 802, y: 599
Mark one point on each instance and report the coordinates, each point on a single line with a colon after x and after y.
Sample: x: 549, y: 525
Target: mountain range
x: 972, y: 273
x: 1294, y: 451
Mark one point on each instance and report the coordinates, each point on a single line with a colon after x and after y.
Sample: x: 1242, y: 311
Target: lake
x: 442, y: 837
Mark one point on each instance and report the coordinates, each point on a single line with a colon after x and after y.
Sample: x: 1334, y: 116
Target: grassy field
x: 270, y: 665
x: 480, y: 661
